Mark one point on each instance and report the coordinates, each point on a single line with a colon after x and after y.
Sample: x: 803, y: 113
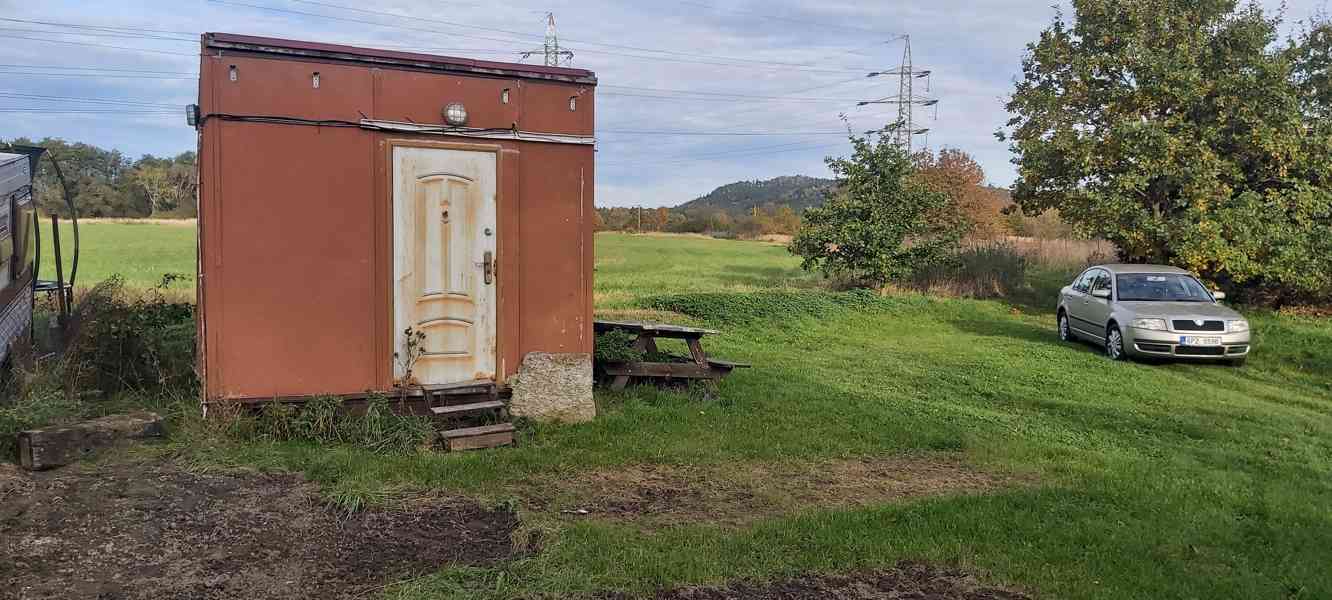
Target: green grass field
x: 1137, y: 481
x: 141, y: 253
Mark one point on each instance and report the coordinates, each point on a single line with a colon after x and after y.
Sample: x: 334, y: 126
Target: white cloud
x: 974, y: 48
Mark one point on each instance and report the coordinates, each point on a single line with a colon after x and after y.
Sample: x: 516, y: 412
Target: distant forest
x: 107, y: 183
x: 741, y: 198
x: 774, y: 206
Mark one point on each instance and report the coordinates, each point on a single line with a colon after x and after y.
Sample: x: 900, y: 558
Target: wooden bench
x: 701, y: 367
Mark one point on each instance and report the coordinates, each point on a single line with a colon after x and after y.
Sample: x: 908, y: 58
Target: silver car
x: 1151, y: 311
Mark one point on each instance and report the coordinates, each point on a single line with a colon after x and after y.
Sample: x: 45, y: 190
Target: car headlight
x: 1237, y: 326
x: 1152, y: 324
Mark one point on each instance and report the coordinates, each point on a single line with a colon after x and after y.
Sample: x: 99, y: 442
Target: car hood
x: 1181, y: 310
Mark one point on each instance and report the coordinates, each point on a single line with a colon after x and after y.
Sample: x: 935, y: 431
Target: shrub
x: 982, y: 271
x: 616, y: 346
x: 328, y: 420
x: 878, y: 228
x: 119, y: 340
x: 118, y: 345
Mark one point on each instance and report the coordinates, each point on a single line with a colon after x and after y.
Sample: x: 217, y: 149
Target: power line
x: 523, y: 34
x: 732, y: 100
x: 101, y: 34
x: 87, y: 111
x: 713, y: 93
x: 89, y: 100
x: 94, y: 75
x: 802, y: 22
x: 59, y: 67
x: 98, y: 27
x: 717, y: 133
x: 18, y: 37
x: 735, y: 154
x: 735, y: 62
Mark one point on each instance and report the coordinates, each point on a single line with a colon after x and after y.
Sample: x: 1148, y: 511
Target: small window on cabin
x: 573, y: 103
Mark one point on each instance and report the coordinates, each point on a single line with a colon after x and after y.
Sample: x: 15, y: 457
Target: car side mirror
x: 1219, y: 295
x: 1103, y: 294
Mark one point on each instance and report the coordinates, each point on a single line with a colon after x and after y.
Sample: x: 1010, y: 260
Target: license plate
x: 1199, y: 340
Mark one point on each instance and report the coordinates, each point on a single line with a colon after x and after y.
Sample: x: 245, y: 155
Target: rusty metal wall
x: 295, y: 228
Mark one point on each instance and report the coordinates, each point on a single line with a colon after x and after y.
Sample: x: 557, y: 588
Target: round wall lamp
x: 455, y: 114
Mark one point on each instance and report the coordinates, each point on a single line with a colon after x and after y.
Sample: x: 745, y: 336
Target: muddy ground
x: 126, y: 531
x: 121, y: 529
x: 738, y: 494
x: 907, y: 581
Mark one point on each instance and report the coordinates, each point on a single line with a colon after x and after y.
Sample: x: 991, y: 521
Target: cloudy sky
x: 784, y: 68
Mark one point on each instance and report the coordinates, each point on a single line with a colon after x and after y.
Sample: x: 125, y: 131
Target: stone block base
x: 554, y: 387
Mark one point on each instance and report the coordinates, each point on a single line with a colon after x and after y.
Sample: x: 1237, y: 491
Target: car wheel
x: 1065, y: 334
x: 1114, y: 343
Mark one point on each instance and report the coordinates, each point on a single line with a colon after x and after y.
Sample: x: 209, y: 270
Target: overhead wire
x: 802, y: 22
x: 58, y: 67
x: 101, y: 34
x: 643, y: 163
x: 456, y: 34
x: 95, y: 75
x: 91, y: 44
x: 526, y: 36
x: 87, y: 100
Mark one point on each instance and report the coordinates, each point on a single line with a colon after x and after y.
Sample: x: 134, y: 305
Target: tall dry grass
x: 1004, y: 267
x: 1053, y: 252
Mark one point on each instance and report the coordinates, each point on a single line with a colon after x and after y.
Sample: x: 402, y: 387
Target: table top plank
x: 656, y: 329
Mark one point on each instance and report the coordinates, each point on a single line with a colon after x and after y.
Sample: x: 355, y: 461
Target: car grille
x: 1186, y: 325
x: 1237, y: 350
x: 1164, y: 348
x: 1200, y: 350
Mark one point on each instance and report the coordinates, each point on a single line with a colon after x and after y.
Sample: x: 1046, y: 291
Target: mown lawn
x: 141, y: 253
x: 1139, y: 481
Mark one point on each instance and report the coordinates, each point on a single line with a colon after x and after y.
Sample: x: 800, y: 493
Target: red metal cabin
x: 349, y: 195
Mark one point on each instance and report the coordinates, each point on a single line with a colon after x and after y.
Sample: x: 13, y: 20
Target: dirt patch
x: 907, y: 581
x: 126, y: 531
x: 738, y: 494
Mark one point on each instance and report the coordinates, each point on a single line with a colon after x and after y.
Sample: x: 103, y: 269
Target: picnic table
x: 701, y: 367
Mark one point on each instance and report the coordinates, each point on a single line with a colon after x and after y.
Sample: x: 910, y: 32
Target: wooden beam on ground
x: 52, y: 447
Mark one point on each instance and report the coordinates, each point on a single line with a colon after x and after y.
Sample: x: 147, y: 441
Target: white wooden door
x: 443, y: 260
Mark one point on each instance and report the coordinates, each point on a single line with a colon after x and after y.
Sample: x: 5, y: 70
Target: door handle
x: 488, y: 266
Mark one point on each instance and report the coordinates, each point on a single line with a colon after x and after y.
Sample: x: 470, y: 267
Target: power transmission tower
x: 904, y: 130
x: 551, y: 49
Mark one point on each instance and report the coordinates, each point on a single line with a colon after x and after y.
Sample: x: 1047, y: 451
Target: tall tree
x: 1181, y: 132
x: 972, y: 205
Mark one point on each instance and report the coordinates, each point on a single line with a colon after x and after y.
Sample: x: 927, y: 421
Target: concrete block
x: 554, y: 387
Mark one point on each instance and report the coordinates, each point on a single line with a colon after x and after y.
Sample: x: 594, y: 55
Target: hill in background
x: 739, y: 198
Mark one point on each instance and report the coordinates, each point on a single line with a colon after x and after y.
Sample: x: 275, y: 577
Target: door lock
x: 488, y: 266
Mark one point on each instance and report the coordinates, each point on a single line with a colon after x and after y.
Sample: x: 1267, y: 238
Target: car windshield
x: 1161, y: 287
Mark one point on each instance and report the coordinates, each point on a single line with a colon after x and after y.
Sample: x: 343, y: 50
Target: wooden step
x: 486, y: 436
x: 462, y: 409
x: 461, y: 388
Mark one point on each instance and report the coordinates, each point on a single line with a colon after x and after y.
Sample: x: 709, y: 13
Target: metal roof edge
x: 390, y: 58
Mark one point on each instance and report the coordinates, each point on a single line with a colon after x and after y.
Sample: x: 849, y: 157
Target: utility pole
x: 904, y: 130
x: 551, y: 50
